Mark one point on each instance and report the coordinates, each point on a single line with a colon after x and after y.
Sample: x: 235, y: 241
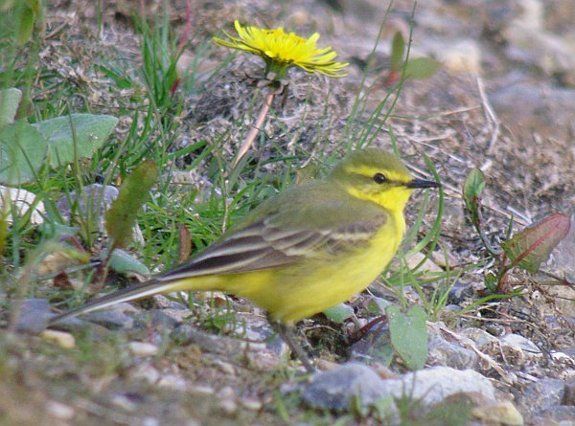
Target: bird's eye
x: 379, y: 178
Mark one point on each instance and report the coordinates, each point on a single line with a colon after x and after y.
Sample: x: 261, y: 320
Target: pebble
x: 337, y: 389
x: 59, y: 410
x: 93, y: 202
x: 480, y: 337
x: 569, y: 396
x: 114, y: 318
x: 33, y: 316
x: 147, y: 373
x: 143, y: 349
x: 521, y: 342
x: 442, y: 352
x: 542, y: 395
x: 227, y: 401
x: 61, y: 338
x: 172, y: 381
x: 21, y: 200
x: 502, y: 413
x: 251, y: 404
x: 433, y: 385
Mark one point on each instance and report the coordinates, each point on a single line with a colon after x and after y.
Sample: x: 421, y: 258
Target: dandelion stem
x: 251, y: 136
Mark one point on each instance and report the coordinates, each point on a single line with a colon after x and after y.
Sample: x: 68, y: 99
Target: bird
x: 306, y: 249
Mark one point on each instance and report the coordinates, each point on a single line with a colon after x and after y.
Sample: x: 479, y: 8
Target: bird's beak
x: 422, y: 183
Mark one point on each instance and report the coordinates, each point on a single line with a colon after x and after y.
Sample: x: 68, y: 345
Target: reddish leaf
x: 532, y: 246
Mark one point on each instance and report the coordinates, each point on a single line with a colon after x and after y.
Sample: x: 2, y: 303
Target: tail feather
x: 132, y: 293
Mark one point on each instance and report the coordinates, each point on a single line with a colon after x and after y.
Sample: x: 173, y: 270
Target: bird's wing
x: 285, y: 237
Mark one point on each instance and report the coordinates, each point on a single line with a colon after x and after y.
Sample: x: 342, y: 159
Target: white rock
x: 171, y: 381
x: 22, y: 201
x: 59, y: 410
x: 434, y: 385
x: 143, y: 348
x: 521, y: 342
x: 63, y: 339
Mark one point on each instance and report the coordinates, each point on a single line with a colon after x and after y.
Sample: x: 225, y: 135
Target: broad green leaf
x: 409, y: 335
x: 22, y: 153
x: 421, y: 68
x: 123, y: 262
x: 339, y: 313
x: 532, y: 246
x: 9, y: 101
x: 121, y: 217
x: 87, y: 131
x: 397, y: 52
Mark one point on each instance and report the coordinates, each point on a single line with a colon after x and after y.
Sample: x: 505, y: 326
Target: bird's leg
x: 287, y: 335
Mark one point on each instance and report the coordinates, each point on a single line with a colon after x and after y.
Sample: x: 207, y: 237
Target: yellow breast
x: 292, y: 294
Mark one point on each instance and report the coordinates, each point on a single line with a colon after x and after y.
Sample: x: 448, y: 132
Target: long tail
x: 132, y: 293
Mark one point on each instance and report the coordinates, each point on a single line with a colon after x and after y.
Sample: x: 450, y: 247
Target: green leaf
x: 27, y: 19
x: 472, y: 189
x: 3, y: 230
x: 409, y: 335
x: 397, y: 52
x: 121, y: 216
x: 123, y: 262
x: 22, y: 153
x: 9, y: 101
x: 339, y: 313
x: 87, y: 131
x: 421, y: 68
x: 532, y: 246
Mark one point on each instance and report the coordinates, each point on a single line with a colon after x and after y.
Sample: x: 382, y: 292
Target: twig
x: 489, y: 115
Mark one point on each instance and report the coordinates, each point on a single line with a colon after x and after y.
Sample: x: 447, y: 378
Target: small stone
x: 251, y: 404
x: 442, y: 352
x: 173, y: 381
x: 143, y: 348
x: 59, y: 410
x: 569, y: 397
x: 561, y: 415
x: 20, y: 200
x: 227, y: 402
x: 150, y: 421
x: 225, y: 367
x: 433, y: 385
x: 61, y: 338
x: 114, y: 318
x: 33, y: 316
x: 460, y: 292
x: 125, y: 402
x: 92, y: 203
x: 521, y: 342
x: 542, y: 395
x: 481, y: 337
x: 503, y: 413
x: 201, y: 390
x: 228, y: 406
x: 337, y: 389
x: 146, y: 372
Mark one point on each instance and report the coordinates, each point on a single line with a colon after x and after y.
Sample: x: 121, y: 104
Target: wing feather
x: 275, y: 241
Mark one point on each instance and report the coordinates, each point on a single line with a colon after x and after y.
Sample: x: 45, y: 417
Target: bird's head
x: 378, y: 176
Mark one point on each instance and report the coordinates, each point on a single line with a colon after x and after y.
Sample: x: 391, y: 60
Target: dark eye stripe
x: 379, y: 178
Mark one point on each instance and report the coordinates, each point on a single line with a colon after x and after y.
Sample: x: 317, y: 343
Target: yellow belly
x: 296, y: 292
x: 299, y: 291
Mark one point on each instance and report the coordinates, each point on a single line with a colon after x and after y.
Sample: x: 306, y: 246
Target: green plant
x: 526, y: 249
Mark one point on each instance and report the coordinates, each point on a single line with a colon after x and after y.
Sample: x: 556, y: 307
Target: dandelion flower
x: 281, y: 50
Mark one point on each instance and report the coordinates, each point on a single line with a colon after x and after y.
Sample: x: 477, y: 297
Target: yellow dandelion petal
x: 281, y: 50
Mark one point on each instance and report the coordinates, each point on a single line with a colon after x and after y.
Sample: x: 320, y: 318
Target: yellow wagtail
x: 306, y: 249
